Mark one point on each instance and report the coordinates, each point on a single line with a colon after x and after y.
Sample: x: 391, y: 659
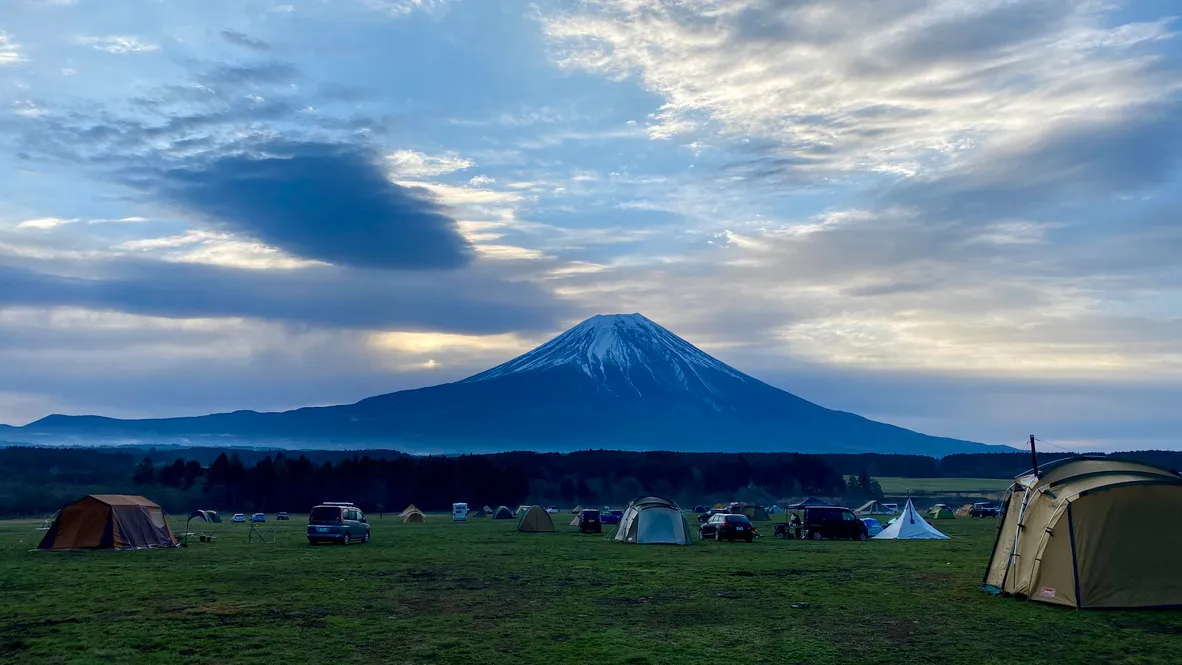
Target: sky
x: 958, y: 216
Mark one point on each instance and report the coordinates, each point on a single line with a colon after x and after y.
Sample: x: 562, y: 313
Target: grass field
x: 943, y: 486
x: 481, y: 593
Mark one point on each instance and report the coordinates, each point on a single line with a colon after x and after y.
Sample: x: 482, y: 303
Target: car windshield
x: 325, y: 514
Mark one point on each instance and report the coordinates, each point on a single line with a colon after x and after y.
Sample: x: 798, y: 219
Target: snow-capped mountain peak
x: 609, y: 345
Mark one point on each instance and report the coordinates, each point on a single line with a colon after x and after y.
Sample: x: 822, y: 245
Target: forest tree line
x: 39, y: 480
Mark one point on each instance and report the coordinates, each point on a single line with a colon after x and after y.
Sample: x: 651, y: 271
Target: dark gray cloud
x: 245, y: 41
x: 472, y: 301
x: 324, y: 202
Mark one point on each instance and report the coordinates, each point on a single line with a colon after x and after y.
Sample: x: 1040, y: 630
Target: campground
x: 479, y: 592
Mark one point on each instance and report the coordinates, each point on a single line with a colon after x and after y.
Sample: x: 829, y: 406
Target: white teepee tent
x: 910, y: 526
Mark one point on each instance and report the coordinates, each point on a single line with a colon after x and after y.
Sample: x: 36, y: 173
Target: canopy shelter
x: 503, y: 513
x: 413, y: 517
x: 809, y: 503
x: 535, y: 520
x: 409, y: 509
x: 1090, y: 532
x: 910, y: 526
x: 654, y: 520
x: 941, y: 512
x: 109, y: 522
x: 873, y: 508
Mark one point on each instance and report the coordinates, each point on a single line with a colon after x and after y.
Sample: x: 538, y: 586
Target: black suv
x: 833, y: 522
x: 727, y: 527
x: 589, y: 521
x: 985, y: 509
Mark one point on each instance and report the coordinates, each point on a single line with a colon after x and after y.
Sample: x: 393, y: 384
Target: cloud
x: 10, y: 52
x: 888, y: 87
x: 120, y: 45
x: 478, y: 300
x: 45, y: 223
x: 322, y: 202
x: 411, y: 164
x: 260, y: 73
x: 245, y: 41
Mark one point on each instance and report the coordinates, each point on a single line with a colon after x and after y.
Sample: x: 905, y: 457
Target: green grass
x: 944, y: 486
x: 481, y: 593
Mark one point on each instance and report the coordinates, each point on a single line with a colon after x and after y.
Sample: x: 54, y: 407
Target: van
x: 335, y: 521
x: 459, y: 512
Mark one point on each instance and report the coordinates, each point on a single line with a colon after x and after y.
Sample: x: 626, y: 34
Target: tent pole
x: 1034, y: 458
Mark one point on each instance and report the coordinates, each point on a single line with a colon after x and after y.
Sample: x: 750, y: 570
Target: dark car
x: 282, y: 516
x: 727, y: 527
x: 833, y: 522
x: 985, y: 509
x: 337, y: 522
x: 705, y: 517
x: 589, y: 521
x: 611, y: 516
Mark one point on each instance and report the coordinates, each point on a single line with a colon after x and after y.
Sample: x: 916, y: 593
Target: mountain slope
x: 613, y: 381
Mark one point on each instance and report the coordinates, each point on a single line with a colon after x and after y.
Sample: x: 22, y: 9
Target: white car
x: 553, y: 510
x: 238, y: 518
x: 459, y: 512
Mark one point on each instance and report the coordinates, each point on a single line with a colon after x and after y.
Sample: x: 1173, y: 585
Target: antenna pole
x: 1034, y: 457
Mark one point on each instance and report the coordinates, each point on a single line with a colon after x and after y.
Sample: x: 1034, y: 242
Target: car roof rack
x: 337, y: 503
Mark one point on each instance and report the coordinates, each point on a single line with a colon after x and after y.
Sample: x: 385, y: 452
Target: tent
x: 941, y: 512
x: 576, y: 510
x: 965, y: 511
x: 210, y: 516
x: 873, y: 526
x: 487, y: 509
x: 109, y: 522
x: 415, y: 517
x: 910, y: 526
x: 893, y: 507
x: 699, y: 509
x: 409, y: 509
x: 521, y: 510
x: 755, y: 513
x: 535, y: 520
x: 503, y: 513
x: 480, y: 513
x: 774, y: 509
x: 654, y: 520
x: 873, y: 508
x: 809, y: 503
x: 719, y: 506
x: 575, y: 521
x: 1090, y: 532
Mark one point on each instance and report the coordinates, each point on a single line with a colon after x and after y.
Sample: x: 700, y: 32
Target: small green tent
x: 756, y: 513
x: 941, y: 512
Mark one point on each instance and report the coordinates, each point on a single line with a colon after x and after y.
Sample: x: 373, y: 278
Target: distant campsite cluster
x: 1072, y: 533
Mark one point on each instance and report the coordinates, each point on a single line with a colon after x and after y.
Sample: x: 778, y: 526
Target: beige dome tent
x: 409, y: 509
x: 415, y: 516
x: 535, y: 520
x: 1087, y: 532
x: 654, y: 520
x: 109, y: 522
x: 965, y: 511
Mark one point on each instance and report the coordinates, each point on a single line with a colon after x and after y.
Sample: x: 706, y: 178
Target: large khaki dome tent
x: 1087, y: 532
x: 109, y: 522
x: 654, y: 520
x: 535, y: 520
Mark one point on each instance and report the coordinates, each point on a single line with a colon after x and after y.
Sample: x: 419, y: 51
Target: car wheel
x: 365, y: 538
x: 345, y: 539
x: 717, y: 537
x: 817, y: 535
x: 863, y: 536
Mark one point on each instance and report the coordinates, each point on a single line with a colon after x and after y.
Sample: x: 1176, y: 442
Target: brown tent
x: 109, y: 521
x: 535, y: 520
x: 409, y: 509
x: 965, y: 511
x: 1087, y: 532
x: 414, y: 516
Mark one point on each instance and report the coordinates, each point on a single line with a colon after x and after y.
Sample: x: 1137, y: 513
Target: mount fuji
x: 615, y: 381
